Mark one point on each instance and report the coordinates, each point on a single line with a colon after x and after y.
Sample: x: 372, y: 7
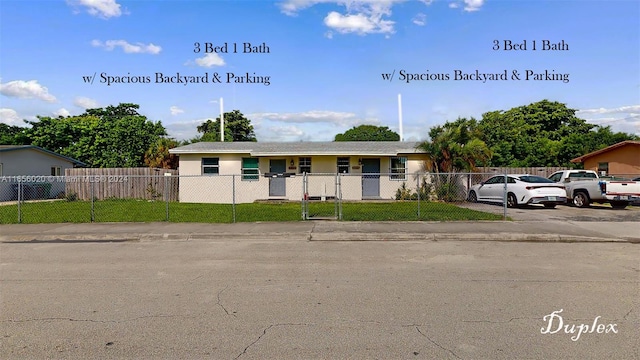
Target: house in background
x: 270, y: 171
x: 35, y: 166
x: 621, y: 159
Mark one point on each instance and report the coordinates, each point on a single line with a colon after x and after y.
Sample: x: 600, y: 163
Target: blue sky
x: 325, y: 61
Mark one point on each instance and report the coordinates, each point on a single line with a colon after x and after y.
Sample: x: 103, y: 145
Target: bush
x: 71, y: 196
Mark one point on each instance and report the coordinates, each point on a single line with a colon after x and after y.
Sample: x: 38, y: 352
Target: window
x: 499, y: 179
x: 55, y: 171
x: 250, y: 169
x: 304, y: 165
x: 398, y: 168
x: 603, y: 168
x: 555, y: 177
x: 535, y: 179
x: 210, y: 166
x: 343, y: 165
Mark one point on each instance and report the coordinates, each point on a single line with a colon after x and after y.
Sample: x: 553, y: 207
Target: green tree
x: 13, y: 135
x: 236, y: 128
x: 455, y: 146
x: 368, y: 133
x: 158, y: 156
x: 116, y: 136
x: 545, y: 133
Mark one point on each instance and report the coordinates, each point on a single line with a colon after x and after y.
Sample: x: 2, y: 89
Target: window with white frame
x: 343, y: 165
x: 210, y: 166
x: 398, y: 168
x: 304, y: 165
x: 250, y: 171
x: 56, y: 171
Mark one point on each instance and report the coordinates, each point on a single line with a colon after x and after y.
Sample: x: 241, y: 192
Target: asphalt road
x: 225, y: 299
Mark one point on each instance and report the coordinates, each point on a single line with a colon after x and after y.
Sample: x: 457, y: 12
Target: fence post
x: 304, y: 196
x: 19, y: 202
x: 339, y: 195
x: 419, y: 192
x: 504, y: 199
x: 166, y: 196
x: 233, y: 205
x: 93, y: 213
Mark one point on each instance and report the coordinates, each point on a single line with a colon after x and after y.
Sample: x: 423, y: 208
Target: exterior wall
x: 321, y: 182
x: 624, y: 160
x: 30, y: 162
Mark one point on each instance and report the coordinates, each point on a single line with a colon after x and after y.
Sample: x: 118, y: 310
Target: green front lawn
x: 148, y: 211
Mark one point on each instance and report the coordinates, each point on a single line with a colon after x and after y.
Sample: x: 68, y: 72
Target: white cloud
x: 622, y: 109
x: 101, y: 8
x: 292, y: 7
x: 315, y: 116
x: 209, y: 60
x: 138, y: 48
x: 624, y: 118
x: 361, y: 17
x: 62, y: 112
x: 175, y: 110
x: 473, y: 5
x: 366, y: 16
x: 357, y: 23
x: 420, y: 19
x: 9, y: 116
x: 468, y: 5
x: 184, y: 130
x: 26, y: 90
x: 85, y: 103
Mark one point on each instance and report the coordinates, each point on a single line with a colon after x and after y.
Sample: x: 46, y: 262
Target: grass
x: 150, y: 211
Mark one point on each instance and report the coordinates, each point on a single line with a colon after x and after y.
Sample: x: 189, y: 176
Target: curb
x: 496, y: 237
x: 320, y: 237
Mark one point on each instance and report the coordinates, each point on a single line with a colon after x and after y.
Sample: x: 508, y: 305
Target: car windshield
x: 534, y: 179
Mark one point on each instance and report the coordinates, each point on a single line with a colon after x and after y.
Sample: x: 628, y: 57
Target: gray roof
x: 357, y: 148
x: 4, y: 148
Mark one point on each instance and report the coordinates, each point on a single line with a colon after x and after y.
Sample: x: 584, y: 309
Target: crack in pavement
x: 499, y: 322
x: 264, y: 332
x: 310, y: 236
x: 89, y: 320
x: 220, y: 302
x: 438, y: 345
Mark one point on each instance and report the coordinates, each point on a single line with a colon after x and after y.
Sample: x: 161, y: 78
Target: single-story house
x: 35, y: 167
x: 622, y: 158
x: 269, y: 171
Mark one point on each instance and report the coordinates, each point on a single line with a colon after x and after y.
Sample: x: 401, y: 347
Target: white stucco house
x: 34, y: 166
x: 275, y: 171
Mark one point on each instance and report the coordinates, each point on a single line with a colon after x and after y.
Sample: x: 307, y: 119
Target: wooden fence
x: 121, y: 183
x: 540, y: 171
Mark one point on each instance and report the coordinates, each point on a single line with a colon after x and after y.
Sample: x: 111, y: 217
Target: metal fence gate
x: 321, y: 197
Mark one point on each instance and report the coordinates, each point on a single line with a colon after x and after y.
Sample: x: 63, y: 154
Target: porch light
x: 291, y: 163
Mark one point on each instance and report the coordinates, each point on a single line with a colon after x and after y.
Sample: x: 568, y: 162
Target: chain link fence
x: 247, y: 198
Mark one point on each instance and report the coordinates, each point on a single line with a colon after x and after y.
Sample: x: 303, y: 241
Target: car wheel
x: 511, y: 200
x: 472, y: 197
x: 581, y: 199
x: 550, y: 206
x: 619, y: 205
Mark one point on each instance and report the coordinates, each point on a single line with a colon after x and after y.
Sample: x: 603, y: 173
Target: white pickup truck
x: 585, y: 187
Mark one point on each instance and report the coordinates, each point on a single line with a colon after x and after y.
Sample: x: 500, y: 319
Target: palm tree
x: 454, y: 147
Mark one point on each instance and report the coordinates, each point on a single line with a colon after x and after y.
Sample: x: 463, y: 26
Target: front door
x: 277, y: 185
x: 370, y: 178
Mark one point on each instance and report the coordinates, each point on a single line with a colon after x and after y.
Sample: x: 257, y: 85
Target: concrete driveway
x: 562, y: 213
